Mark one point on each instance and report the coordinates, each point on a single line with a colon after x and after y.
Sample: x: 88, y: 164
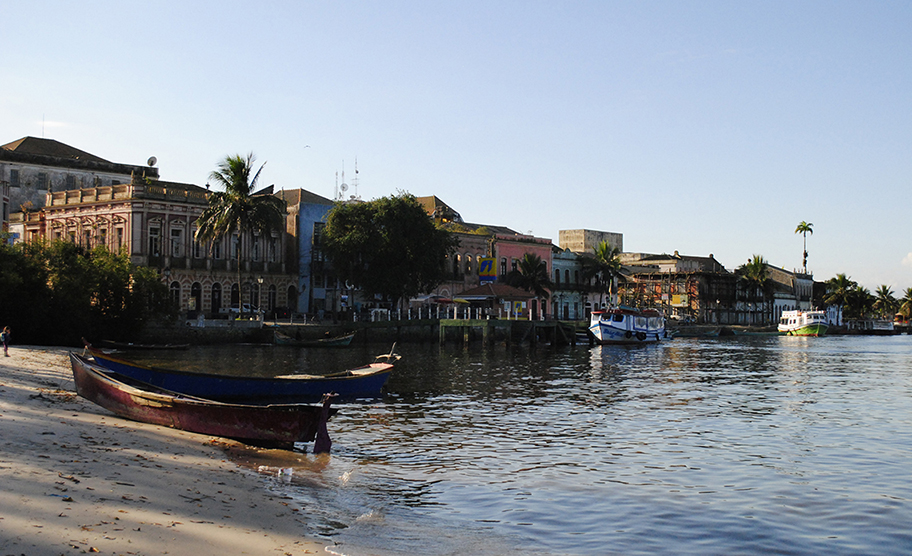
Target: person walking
x: 5, y: 337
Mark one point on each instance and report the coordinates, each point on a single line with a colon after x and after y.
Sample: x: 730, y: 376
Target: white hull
x: 627, y: 326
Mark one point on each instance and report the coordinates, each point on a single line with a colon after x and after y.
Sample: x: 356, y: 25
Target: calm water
x: 746, y: 445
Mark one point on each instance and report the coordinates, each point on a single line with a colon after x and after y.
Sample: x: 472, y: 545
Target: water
x: 741, y: 445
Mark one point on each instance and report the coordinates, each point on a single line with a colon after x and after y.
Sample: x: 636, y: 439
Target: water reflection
x: 735, y: 445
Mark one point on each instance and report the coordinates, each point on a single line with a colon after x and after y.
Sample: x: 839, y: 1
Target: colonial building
x: 154, y: 223
x: 4, y: 206
x: 571, y: 297
x: 317, y: 291
x: 34, y: 167
x: 585, y: 241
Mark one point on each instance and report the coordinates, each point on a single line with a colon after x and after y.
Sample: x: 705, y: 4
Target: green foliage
x: 604, y: 265
x: 754, y: 277
x: 387, y: 246
x: 884, y: 303
x: 531, y: 275
x: 56, y: 293
x: 237, y: 209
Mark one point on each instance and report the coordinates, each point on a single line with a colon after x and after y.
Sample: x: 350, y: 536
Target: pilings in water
x: 508, y: 331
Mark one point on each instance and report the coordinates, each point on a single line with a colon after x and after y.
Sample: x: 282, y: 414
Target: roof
x: 495, y: 289
x: 50, y: 147
x: 48, y: 152
x: 302, y: 197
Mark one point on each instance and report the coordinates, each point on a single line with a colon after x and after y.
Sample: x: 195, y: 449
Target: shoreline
x: 78, y: 478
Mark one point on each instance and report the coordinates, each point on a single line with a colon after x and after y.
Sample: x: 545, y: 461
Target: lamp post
x: 259, y: 300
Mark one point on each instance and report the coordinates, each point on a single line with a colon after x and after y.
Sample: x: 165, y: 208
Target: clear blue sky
x: 701, y: 127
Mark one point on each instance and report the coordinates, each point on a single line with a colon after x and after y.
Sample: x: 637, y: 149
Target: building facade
x: 585, y: 241
x: 34, y: 167
x: 317, y: 291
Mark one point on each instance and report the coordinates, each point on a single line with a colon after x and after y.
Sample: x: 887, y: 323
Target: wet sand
x: 77, y: 479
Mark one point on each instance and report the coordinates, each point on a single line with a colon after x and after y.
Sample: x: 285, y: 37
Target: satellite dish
x: 344, y: 187
x: 152, y: 161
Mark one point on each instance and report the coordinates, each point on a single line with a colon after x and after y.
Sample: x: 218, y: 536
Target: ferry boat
x: 625, y: 325
x: 803, y: 323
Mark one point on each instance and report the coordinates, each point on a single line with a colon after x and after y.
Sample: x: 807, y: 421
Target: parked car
x: 248, y: 310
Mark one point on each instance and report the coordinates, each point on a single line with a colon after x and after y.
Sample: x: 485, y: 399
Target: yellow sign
x: 487, y: 269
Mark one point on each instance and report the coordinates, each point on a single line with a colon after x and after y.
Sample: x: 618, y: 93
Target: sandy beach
x: 77, y: 479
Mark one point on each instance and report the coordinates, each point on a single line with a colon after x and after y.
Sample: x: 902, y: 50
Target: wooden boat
x: 271, y: 425
x: 362, y: 382
x: 337, y: 341
x: 625, y: 325
x: 131, y: 345
x: 803, y: 323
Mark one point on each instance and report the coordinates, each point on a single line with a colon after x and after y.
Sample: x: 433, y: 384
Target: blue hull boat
x: 362, y: 382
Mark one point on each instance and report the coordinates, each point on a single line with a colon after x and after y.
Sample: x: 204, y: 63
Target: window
x: 217, y: 249
x: 155, y: 241
x: 177, y: 242
x: 273, y: 249
x: 256, y: 248
x: 175, y: 290
x: 70, y: 182
x: 557, y: 277
x: 118, y: 238
x: 42, y: 180
x: 103, y: 237
x: 234, y: 246
x: 503, y: 266
x: 14, y: 178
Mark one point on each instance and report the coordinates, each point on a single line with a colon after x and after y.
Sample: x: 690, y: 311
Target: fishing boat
x: 361, y: 382
x: 265, y: 425
x: 803, y: 323
x: 625, y: 325
x: 282, y: 339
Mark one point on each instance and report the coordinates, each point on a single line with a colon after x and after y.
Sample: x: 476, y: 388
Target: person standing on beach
x: 5, y: 337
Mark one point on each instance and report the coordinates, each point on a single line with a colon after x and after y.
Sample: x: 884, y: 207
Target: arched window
x: 216, y: 297
x: 557, y: 277
x: 503, y: 266
x: 196, y: 297
x: 271, y: 298
x: 175, y: 291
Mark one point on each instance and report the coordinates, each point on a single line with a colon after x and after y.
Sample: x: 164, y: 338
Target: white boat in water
x: 803, y: 323
x: 624, y: 325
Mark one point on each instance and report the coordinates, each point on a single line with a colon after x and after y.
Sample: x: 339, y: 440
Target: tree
x: 755, y: 279
x: 237, y: 210
x: 805, y: 228
x: 604, y: 265
x: 906, y: 303
x: 387, y: 247
x: 57, y: 292
x: 839, y: 291
x: 531, y: 275
x: 859, y: 303
x: 884, y: 301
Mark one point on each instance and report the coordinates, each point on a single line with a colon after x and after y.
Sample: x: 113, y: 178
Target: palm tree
x: 237, y: 210
x: 885, y: 302
x: 755, y: 278
x: 531, y: 275
x: 839, y: 290
x: 805, y: 228
x: 906, y: 303
x: 604, y: 264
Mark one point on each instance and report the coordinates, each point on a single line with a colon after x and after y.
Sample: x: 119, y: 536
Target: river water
x: 744, y: 445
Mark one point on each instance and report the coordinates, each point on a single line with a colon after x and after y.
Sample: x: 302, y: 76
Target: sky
x: 700, y: 127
